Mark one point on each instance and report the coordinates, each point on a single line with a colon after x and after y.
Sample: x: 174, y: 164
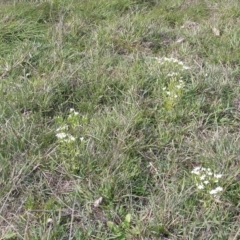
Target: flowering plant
x: 207, y: 181
x: 172, y: 69
x: 69, y: 147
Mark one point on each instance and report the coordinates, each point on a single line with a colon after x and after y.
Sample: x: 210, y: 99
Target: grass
x: 141, y: 124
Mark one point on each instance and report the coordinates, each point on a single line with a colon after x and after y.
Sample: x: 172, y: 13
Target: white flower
x: 209, y: 172
x: 216, y: 190
x: 175, y: 96
x: 168, y: 93
x: 81, y: 139
x: 164, y: 89
x: 159, y: 60
x: 62, y: 128
x: 203, y: 177
x: 217, y: 175
x: 200, y: 186
x: 219, y: 189
x: 61, y: 135
x: 186, y: 68
x: 167, y: 59
x: 173, y: 74
x: 197, y: 173
x: 213, y: 192
x: 71, y: 138
x: 196, y: 170
x: 72, y: 111
x: 65, y: 137
x: 206, y: 182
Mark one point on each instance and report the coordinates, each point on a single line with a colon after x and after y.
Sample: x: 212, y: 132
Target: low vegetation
x: 119, y: 119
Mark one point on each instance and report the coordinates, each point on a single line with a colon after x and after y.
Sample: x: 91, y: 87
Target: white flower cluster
x: 216, y: 191
x: 206, y: 178
x: 172, y: 60
x: 174, y: 89
x: 172, y: 69
x: 72, y: 121
x: 173, y: 74
x: 72, y: 111
x: 65, y: 137
x: 62, y: 128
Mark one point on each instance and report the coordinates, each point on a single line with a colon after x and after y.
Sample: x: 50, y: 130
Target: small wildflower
x: 72, y: 111
x: 171, y: 60
x: 168, y: 93
x: 65, y: 137
x: 219, y: 189
x: 213, y: 192
x: 209, y: 172
x: 206, y: 179
x: 62, y: 128
x: 200, y: 186
x: 173, y: 74
x: 71, y: 138
x: 203, y: 177
x: 81, y: 139
x: 217, y: 175
x: 196, y: 170
x: 61, y: 135
x: 186, y: 68
x: 216, y: 190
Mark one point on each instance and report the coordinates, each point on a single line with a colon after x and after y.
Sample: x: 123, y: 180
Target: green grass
x: 139, y: 132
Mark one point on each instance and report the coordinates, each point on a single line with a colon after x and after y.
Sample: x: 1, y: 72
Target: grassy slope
x: 98, y: 58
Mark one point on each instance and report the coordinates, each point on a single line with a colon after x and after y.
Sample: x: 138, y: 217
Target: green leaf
x: 10, y: 235
x: 128, y: 218
x: 113, y: 227
x: 110, y: 224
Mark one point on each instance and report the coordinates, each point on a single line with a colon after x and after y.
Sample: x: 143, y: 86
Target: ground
x: 119, y: 119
